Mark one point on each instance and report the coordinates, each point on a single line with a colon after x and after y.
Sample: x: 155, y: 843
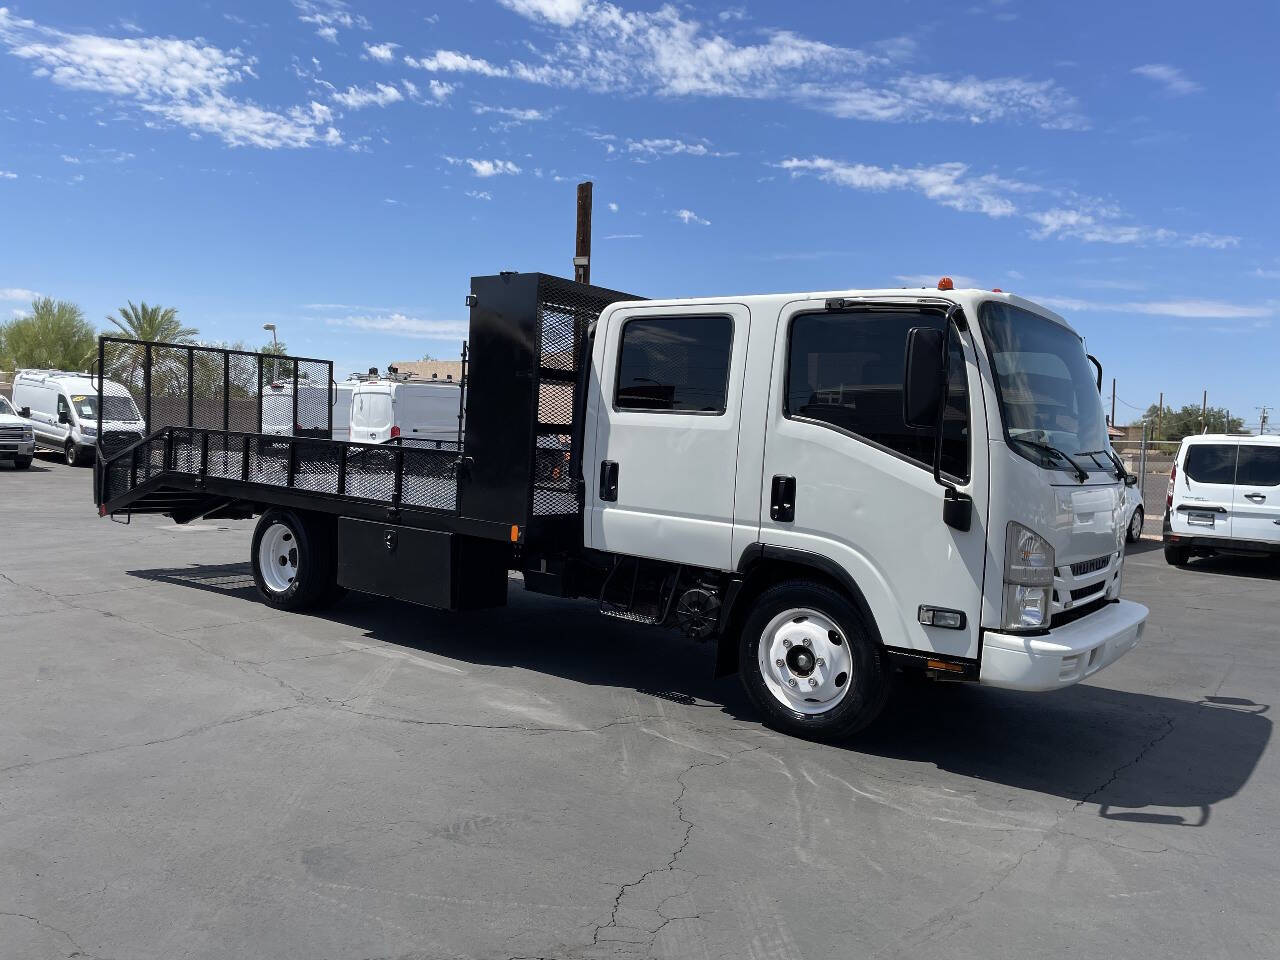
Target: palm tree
x: 153, y: 323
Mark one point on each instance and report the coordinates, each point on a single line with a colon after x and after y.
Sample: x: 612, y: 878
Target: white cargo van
x: 277, y: 407
x: 63, y: 410
x: 385, y: 408
x: 1223, y: 498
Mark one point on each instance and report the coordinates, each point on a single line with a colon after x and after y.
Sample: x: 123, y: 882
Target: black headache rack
x: 515, y: 474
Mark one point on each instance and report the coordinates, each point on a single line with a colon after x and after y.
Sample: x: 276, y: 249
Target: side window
x: 846, y: 370
x: 674, y: 364
x: 1259, y: 466
x: 62, y: 406
x: 1211, y: 463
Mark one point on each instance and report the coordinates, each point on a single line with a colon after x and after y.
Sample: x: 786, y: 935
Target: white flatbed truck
x: 832, y: 487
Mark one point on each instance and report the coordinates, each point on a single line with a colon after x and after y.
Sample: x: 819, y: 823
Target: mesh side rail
x: 419, y: 474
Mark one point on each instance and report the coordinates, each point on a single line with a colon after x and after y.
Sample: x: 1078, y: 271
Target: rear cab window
x: 1258, y: 466
x: 1211, y: 462
x: 674, y: 364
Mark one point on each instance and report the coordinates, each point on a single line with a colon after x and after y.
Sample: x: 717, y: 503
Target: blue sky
x: 342, y: 169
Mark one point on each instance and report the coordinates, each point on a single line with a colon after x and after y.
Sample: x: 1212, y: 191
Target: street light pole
x: 275, y: 349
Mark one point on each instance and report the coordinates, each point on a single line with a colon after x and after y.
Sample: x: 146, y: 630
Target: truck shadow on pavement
x: 1140, y: 758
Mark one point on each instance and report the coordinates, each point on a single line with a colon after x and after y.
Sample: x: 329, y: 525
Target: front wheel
x: 1134, y: 533
x: 72, y: 454
x: 294, y: 559
x: 809, y: 664
x: 1175, y: 556
x: 21, y: 463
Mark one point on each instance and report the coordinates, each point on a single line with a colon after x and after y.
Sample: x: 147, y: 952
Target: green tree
x: 156, y: 323
x: 1187, y: 421
x: 54, y: 335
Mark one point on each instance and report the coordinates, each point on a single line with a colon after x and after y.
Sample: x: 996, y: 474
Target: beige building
x: 427, y: 369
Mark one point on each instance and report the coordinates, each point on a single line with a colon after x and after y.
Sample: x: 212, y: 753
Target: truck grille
x: 1088, y: 591
x: 1090, y: 566
x: 11, y: 433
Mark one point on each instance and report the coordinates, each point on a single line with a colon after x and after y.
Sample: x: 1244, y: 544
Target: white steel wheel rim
x: 805, y: 662
x: 278, y: 557
x: 1135, y: 524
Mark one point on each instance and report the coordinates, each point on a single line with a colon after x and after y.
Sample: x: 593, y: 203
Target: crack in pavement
x: 670, y: 866
x: 79, y: 951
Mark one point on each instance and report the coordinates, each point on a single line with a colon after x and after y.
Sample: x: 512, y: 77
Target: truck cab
x: 774, y: 439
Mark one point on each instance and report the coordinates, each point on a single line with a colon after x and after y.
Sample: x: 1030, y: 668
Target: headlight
x: 1028, y: 579
x: 89, y: 431
x: 28, y: 434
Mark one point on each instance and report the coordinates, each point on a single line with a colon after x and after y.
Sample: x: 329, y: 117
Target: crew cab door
x: 661, y: 472
x: 846, y: 479
x: 1256, y: 511
x: 1204, y: 490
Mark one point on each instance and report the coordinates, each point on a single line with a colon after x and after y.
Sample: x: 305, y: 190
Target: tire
x: 850, y: 685
x: 71, y: 454
x: 1175, y: 556
x: 21, y: 463
x: 294, y: 559
x: 1134, y: 533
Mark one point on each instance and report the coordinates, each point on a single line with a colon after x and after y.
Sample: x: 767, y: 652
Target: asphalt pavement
x: 186, y: 773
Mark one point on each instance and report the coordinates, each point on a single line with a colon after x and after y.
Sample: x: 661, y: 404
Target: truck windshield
x: 113, y: 408
x: 1048, y: 394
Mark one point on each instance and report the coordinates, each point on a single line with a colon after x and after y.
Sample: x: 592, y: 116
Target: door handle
x: 782, y: 500
x: 608, y: 481
x: 1255, y: 497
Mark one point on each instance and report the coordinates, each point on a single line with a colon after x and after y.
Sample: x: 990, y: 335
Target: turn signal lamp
x: 946, y: 284
x: 1028, y: 579
x: 395, y: 432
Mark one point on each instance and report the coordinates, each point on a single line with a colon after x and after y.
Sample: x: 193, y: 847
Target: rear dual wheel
x: 295, y: 559
x: 810, y: 665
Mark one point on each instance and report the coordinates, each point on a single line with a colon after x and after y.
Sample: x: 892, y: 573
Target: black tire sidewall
x: 869, y: 683
x: 299, y: 591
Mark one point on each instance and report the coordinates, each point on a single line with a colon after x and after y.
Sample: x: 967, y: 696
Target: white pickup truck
x: 833, y: 487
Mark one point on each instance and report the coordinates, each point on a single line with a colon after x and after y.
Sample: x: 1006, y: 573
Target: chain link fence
x: 1150, y: 461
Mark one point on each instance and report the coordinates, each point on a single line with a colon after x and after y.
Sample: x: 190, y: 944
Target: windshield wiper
x: 1116, y: 462
x: 1081, y: 474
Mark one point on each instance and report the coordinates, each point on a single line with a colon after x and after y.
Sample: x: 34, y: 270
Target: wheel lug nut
x: 779, y: 662
x: 813, y: 682
x: 791, y: 682
x: 821, y: 662
x: 808, y: 643
x: 786, y: 643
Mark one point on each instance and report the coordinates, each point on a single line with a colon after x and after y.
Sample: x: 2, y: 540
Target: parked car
x: 1223, y: 498
x: 278, y: 412
x: 1135, y: 514
x: 383, y: 409
x: 17, y: 441
x: 63, y: 409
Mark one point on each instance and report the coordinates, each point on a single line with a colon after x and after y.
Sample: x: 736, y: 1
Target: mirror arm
x: 1097, y: 365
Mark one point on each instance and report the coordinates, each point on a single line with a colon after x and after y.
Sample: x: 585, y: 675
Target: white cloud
x: 613, y: 208
x: 1186, y: 309
x: 930, y: 280
x: 8, y: 175
x: 1174, y: 81
x: 952, y: 185
x: 382, y: 52
x: 516, y: 114
x: 1266, y: 274
x: 67, y: 158
x: 624, y: 236
x: 597, y: 45
x: 450, y: 61
x: 178, y: 81
x: 688, y: 216
x: 479, y: 194
x: 356, y: 98
x: 485, y: 168
x: 666, y: 147
x: 17, y: 293
x: 437, y: 91
x: 398, y: 324
x: 328, y: 15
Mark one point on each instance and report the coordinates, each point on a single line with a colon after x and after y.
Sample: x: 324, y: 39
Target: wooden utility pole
x: 582, y: 246
x: 1160, y: 417
x: 1204, y: 412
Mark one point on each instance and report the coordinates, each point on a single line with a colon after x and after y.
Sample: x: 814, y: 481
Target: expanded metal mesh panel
x: 314, y: 395
x: 429, y: 478
x: 170, y: 387
x: 554, y: 484
x: 268, y: 461
x: 184, y: 452
x: 226, y: 456
x: 208, y: 388
x: 242, y: 392
x: 555, y: 403
x: 564, y: 310
x: 371, y: 473
x: 125, y: 364
x: 315, y: 466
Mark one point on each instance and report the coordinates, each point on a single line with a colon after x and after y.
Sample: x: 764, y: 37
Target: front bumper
x: 1065, y: 655
x: 17, y: 448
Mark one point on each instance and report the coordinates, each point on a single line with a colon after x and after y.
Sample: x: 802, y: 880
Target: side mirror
x: 64, y: 417
x: 922, y: 377
x: 1130, y: 479
x: 25, y: 413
